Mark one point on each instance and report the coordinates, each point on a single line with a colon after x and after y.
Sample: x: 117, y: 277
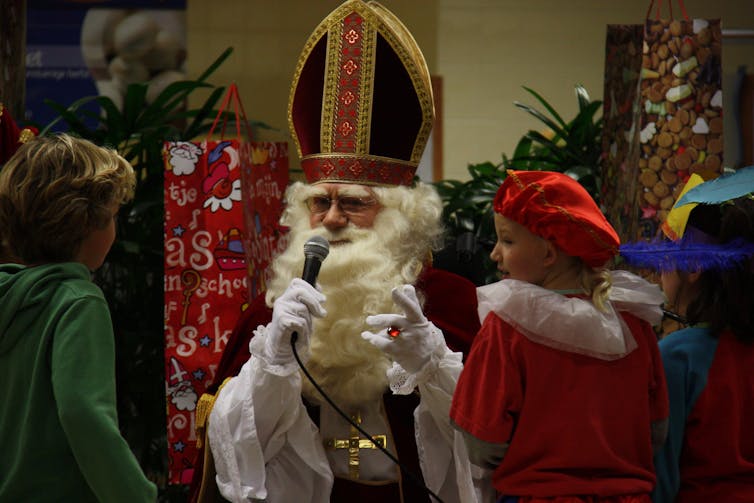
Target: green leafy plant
x: 467, y: 215
x: 132, y: 276
x: 572, y: 147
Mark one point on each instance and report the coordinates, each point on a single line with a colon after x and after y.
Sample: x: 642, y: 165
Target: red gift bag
x: 265, y: 177
x: 213, y: 264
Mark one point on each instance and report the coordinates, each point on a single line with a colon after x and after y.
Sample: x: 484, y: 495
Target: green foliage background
x: 572, y: 147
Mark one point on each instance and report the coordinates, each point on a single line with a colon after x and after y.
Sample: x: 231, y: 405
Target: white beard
x: 357, y: 279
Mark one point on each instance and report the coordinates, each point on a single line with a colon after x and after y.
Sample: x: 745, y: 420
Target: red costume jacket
x: 576, y: 425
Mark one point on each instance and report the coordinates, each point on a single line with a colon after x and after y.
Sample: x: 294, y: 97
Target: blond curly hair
x: 54, y: 191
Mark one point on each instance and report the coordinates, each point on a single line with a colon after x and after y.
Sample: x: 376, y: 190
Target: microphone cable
x: 404, y: 470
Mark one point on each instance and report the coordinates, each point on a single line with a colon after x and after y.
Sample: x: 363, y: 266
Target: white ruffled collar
x: 574, y: 324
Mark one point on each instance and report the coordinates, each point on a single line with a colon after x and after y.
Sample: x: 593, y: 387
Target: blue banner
x: 76, y: 50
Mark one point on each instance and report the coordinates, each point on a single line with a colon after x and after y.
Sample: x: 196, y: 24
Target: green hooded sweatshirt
x: 59, y: 437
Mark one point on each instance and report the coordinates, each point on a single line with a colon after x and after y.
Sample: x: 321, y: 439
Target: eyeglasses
x: 349, y: 205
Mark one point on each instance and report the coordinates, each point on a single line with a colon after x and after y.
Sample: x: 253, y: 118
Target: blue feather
x: 666, y: 255
x: 721, y: 189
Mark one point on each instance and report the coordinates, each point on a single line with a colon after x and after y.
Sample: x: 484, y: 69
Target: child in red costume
x: 563, y: 394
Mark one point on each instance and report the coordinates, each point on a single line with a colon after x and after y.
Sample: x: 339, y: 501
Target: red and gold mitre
x: 360, y: 108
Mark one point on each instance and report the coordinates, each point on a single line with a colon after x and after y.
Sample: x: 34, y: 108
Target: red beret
x: 557, y: 208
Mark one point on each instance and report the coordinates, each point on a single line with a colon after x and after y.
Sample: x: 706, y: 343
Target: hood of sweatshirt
x: 25, y: 291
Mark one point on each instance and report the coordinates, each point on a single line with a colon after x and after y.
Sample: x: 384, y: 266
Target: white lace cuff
x: 257, y: 349
x: 403, y: 382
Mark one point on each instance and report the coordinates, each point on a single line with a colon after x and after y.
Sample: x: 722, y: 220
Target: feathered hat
x: 360, y: 108
x: 690, y: 241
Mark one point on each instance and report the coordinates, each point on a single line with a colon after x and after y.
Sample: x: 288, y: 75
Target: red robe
x: 451, y: 304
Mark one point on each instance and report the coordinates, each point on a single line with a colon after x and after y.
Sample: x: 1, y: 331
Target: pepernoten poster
x: 78, y: 49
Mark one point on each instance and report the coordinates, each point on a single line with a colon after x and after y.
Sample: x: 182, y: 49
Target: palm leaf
x: 200, y: 117
x: 215, y: 64
x: 174, y: 95
x: 556, y: 128
x: 547, y: 106
x: 68, y: 114
x: 582, y: 96
x: 113, y: 121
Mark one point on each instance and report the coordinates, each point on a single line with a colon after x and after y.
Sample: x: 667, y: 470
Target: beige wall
x: 484, y: 50
x: 267, y: 37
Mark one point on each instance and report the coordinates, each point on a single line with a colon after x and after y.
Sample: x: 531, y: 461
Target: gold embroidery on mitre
x: 331, y: 89
x: 366, y: 85
x: 374, y: 19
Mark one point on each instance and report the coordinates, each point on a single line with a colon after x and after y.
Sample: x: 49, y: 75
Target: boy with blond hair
x: 59, y: 198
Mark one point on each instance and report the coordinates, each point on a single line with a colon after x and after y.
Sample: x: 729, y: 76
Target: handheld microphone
x: 315, y: 251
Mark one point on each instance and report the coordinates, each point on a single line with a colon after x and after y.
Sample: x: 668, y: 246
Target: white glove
x: 418, y: 338
x: 292, y: 312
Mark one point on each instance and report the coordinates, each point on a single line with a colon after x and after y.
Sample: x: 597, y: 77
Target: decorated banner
x: 214, y: 263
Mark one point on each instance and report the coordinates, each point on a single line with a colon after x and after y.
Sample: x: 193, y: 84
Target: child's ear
x: 551, y: 253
